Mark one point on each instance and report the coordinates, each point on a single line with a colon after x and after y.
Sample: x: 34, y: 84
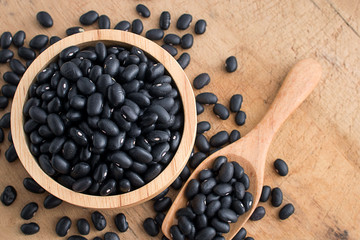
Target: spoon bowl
x: 250, y: 151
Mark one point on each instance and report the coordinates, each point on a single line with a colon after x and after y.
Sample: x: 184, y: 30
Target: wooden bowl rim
x: 151, y: 189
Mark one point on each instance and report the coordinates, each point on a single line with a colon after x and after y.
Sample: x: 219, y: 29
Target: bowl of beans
x: 104, y: 119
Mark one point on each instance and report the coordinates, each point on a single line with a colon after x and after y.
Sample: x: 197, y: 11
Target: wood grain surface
x: 320, y: 141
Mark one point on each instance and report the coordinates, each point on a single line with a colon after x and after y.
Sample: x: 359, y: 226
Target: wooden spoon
x: 250, y: 151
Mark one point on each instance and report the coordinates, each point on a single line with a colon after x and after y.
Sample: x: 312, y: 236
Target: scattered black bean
x: 6, y: 55
x: 265, y: 194
x: 17, y: 67
x: 54, y: 39
x: 276, y: 197
x: 44, y: 19
x: 206, y: 98
x: 240, y: 118
x: 202, y: 127
x: 187, y: 41
x: 11, y: 78
x: 123, y: 25
x: 104, y: 22
x: 199, y: 108
x: 11, y: 154
x: 98, y: 220
x: 219, y: 139
x: 258, y: 213
x: 184, y: 21
x: 111, y: 236
x: 32, y: 186
x: 151, y: 227
x: 165, y: 20
x: 162, y: 204
x: 172, y: 39
x: 63, y: 226
x: 221, y: 111
x: 18, y: 39
x: 286, y: 211
x: 281, y: 167
x: 184, y: 60
x: 8, y: 196
x: 170, y: 49
x: 74, y: 30
x: 231, y: 64
x: 51, y: 202
x: 154, y: 34
x: 201, y: 81
x: 5, y: 40
x: 89, y: 18
x: 30, y: 228
x: 143, y: 10
x: 39, y: 41
x: 236, y: 102
x: 121, y: 223
x: 3, y: 102
x: 200, y: 26
x: 202, y: 143
x: 137, y: 26
x: 83, y: 226
x: 240, y: 235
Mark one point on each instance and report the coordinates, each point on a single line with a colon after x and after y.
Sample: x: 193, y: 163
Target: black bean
x: 192, y: 189
x: 212, y: 208
x: 134, y: 179
x: 30, y: 228
x: 240, y: 118
x: 8, y: 90
x: 74, y: 30
x: 206, y: 233
x: 77, y: 237
x: 104, y: 22
x: 63, y: 226
x: 172, y: 39
x: 220, y: 226
x: 162, y: 194
x: 206, y: 98
x: 276, y: 197
x: 39, y: 41
x: 281, y: 167
x: 98, y: 220
x: 286, y: 211
x: 6, y: 55
x: 94, y: 104
x: 187, y: 41
x: 201, y: 81
x: 221, y: 111
x: 154, y: 34
x: 198, y: 203
x: 124, y: 185
x: 196, y: 159
x: 66, y: 180
x: 54, y: 39
x: 111, y: 236
x: 247, y: 201
x: 187, y: 212
x: 184, y: 60
x: 152, y: 172
x: 199, y: 108
x: 151, y: 227
x: 60, y: 164
x: 165, y: 20
x: 265, y: 194
x: 82, y: 184
x: 26, y: 53
x: 108, y: 187
x: 121, y: 223
x: 111, y: 67
x: 258, y: 213
x: 170, y: 49
x: 231, y: 64
x: 200, y: 26
x: 45, y: 165
x: 184, y: 225
x: 240, y: 235
x: 202, y: 143
x: 83, y: 226
x: 137, y: 26
x: 226, y: 172
x: 162, y: 204
x: 123, y: 25
x: 80, y: 170
x: 5, y: 40
x: 246, y: 181
x: 8, y: 196
x: 4, y: 102
x: 89, y: 18
x: 184, y: 21
x: 44, y: 19
x: 19, y: 38
x: 219, y: 139
x: 143, y: 10
x: 70, y: 71
x: 32, y: 186
x: 175, y: 233
x: 5, y: 120
x: 10, y: 154
x: 234, y: 136
x: 51, y: 202
x: 17, y: 67
x: 227, y: 215
x: 177, y: 184
x: 236, y: 102
x: 69, y: 53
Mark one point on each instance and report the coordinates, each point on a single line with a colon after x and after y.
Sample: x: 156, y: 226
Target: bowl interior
x: 151, y: 189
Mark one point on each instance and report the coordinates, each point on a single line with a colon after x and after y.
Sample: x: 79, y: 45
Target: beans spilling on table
x: 216, y: 198
x: 85, y: 61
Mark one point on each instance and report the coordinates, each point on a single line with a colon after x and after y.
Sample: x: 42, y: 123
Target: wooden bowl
x: 151, y: 189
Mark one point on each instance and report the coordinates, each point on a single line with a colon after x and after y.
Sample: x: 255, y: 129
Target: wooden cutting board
x: 320, y: 141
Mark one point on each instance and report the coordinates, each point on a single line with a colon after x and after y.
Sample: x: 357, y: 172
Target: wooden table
x: 320, y: 141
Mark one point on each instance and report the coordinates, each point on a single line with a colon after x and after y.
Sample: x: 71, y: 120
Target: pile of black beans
x: 216, y: 198
x: 103, y: 120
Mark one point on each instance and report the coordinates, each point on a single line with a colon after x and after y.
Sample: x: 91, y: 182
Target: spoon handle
x: 298, y: 84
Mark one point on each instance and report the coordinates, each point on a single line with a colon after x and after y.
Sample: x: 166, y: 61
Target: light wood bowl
x: 150, y: 190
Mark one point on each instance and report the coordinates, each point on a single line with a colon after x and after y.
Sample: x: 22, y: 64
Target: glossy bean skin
x: 83, y: 226
x: 165, y: 20
x: 265, y: 194
x: 281, y: 167
x: 63, y: 226
x: 89, y: 17
x: 18, y: 39
x: 184, y: 21
x: 231, y: 64
x: 32, y: 186
x: 151, y: 227
x: 30, y: 228
x: 200, y: 26
x: 5, y: 40
x: 201, y: 81
x: 240, y: 118
x: 29, y: 210
x: 286, y: 211
x: 258, y: 213
x: 121, y: 223
x: 276, y: 197
x: 143, y: 10
x: 98, y: 220
x: 44, y: 19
